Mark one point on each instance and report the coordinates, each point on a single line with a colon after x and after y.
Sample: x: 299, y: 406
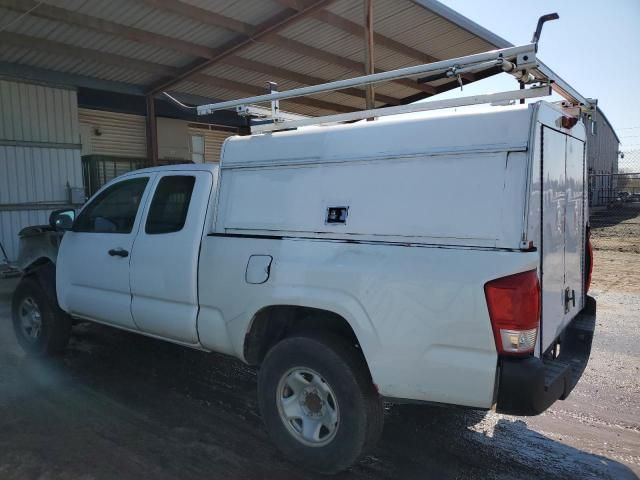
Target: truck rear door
x: 563, y: 229
x: 164, y: 259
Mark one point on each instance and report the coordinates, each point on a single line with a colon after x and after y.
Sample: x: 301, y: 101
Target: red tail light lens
x: 589, y: 266
x: 569, y: 122
x: 514, y: 309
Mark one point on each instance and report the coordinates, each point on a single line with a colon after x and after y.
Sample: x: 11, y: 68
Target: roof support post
x: 152, y: 131
x: 368, y: 49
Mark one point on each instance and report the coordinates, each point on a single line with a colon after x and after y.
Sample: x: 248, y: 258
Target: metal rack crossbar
x: 497, y: 98
x: 519, y: 61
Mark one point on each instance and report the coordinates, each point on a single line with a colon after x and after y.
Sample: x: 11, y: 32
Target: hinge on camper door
x: 569, y: 296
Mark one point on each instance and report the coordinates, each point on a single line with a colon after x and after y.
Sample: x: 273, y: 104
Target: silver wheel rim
x: 30, y: 319
x: 308, y: 407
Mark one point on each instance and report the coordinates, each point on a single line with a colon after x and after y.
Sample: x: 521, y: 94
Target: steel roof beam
x: 54, y: 13
x: 37, y: 74
x: 356, y: 29
x: 50, y: 12
x: 206, y: 16
x: 70, y: 51
x: 237, y: 45
x: 215, y: 19
x: 303, y: 49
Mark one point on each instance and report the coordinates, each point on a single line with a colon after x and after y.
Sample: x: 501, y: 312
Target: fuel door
x: 258, y: 269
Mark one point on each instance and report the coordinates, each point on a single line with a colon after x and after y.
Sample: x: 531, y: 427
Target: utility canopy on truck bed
x: 510, y: 178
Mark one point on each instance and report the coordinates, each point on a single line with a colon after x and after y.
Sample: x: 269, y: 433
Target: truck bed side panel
x: 419, y: 312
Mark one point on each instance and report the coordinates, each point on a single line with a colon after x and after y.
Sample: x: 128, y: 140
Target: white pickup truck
x: 442, y: 260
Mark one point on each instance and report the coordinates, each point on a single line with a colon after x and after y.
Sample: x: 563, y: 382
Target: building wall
x: 39, y: 155
x: 173, y: 140
x: 113, y: 134
x: 213, y: 139
x: 602, y: 159
x: 124, y: 135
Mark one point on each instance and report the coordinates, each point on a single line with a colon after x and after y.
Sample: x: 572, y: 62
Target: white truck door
x: 562, y: 227
x: 164, y: 261
x: 93, y: 263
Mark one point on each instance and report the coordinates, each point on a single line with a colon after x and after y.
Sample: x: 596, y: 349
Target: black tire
x: 55, y: 324
x: 342, y: 367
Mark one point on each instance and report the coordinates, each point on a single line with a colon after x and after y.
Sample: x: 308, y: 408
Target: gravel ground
x: 121, y: 406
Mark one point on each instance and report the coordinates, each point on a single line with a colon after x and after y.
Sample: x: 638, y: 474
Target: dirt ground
x: 121, y: 406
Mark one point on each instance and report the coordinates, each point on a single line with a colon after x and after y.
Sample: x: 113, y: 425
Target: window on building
x: 170, y: 204
x: 114, y: 210
x: 197, y: 148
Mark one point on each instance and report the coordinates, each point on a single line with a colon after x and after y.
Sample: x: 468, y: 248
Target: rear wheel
x: 318, y: 402
x: 41, y: 327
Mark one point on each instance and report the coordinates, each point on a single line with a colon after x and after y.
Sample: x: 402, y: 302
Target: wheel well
x: 272, y: 324
x: 43, y: 270
x: 37, y: 264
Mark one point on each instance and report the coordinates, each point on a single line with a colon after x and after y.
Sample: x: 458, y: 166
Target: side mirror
x: 61, y: 220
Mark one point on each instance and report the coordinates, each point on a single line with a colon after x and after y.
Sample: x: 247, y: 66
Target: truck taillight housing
x: 589, y: 257
x: 514, y: 309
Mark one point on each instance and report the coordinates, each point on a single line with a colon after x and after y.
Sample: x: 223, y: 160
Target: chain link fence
x: 614, y: 200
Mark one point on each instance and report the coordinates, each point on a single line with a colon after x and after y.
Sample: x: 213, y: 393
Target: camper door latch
x: 569, y: 296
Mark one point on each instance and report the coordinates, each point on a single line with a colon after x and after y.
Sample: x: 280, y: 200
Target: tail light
x: 587, y: 282
x: 568, y: 122
x: 514, y: 309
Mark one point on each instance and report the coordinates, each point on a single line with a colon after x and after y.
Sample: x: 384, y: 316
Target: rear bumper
x: 528, y: 386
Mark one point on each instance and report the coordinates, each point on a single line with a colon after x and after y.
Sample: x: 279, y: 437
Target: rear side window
x: 170, y: 205
x: 114, y: 210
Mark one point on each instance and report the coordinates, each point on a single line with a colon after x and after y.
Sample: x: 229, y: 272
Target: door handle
x: 118, y: 252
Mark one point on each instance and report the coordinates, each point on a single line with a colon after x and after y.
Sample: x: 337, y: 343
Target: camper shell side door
x: 557, y: 218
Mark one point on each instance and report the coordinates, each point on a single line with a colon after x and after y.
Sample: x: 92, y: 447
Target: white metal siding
x: 213, y: 140
x: 602, y: 159
x: 12, y: 221
x: 120, y: 134
x: 35, y: 113
x: 33, y: 175
x: 39, y: 155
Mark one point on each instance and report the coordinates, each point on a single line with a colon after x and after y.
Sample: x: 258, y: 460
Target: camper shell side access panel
x: 557, y: 216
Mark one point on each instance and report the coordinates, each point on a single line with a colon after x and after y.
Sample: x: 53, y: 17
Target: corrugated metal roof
x: 118, y: 33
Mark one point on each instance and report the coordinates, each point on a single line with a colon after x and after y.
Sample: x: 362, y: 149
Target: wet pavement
x: 122, y: 406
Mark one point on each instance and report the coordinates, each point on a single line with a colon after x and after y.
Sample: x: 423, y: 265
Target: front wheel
x: 318, y: 402
x: 41, y: 327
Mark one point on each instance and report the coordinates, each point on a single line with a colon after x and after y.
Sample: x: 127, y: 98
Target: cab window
x: 114, y: 210
x: 170, y: 204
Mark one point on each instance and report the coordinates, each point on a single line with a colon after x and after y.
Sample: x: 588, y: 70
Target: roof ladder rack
x: 519, y: 61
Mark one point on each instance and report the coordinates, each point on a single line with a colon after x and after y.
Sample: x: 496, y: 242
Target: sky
x: 594, y: 46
